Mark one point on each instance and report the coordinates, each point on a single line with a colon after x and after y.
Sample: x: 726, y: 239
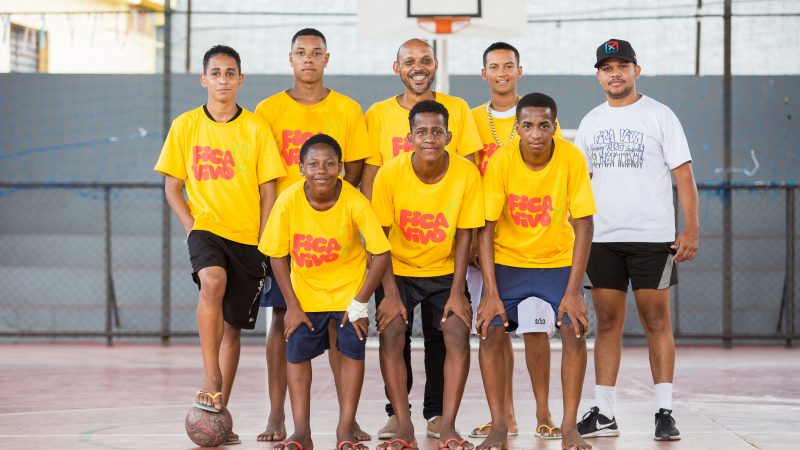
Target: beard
x: 620, y: 93
x: 421, y: 89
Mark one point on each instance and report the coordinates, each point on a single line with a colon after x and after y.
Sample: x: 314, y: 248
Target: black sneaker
x: 665, y: 426
x: 594, y: 424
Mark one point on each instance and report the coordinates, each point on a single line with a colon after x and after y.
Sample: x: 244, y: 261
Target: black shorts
x: 647, y: 265
x: 245, y: 267
x: 415, y: 290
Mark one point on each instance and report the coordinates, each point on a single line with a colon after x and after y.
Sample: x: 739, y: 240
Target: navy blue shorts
x: 272, y: 297
x: 305, y: 345
x: 515, y: 284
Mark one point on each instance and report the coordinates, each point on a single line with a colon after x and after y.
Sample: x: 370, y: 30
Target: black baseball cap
x: 615, y: 48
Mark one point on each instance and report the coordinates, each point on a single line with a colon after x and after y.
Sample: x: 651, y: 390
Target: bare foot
x: 495, y: 440
x: 572, y: 440
x: 455, y: 443
x: 547, y: 430
x: 295, y: 442
x: 360, y: 434
x: 398, y: 443
x: 274, y: 432
x: 484, y: 430
x: 233, y: 439
x: 209, y: 399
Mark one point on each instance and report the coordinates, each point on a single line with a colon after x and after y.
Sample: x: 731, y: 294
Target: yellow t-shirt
x: 424, y: 217
x: 292, y: 123
x: 387, y: 123
x: 532, y: 208
x: 503, y: 126
x: 222, y: 165
x: 329, y: 262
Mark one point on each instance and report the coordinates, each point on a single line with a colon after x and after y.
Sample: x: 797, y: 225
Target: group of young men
x: 486, y: 218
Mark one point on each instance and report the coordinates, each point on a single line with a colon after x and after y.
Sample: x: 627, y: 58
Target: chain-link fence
x: 106, y: 261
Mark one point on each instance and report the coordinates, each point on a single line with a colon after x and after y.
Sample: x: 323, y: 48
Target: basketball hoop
x: 443, y: 24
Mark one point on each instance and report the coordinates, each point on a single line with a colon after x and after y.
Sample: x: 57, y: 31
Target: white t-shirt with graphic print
x: 631, y: 151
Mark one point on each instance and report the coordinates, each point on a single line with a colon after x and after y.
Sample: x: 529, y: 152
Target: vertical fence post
x: 727, y: 212
x: 166, y: 243
x: 790, y: 236
x: 676, y: 297
x: 109, y: 286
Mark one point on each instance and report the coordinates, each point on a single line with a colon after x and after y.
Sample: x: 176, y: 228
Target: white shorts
x: 535, y: 314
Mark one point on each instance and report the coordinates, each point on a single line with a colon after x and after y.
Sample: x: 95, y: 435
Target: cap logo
x: 611, y: 47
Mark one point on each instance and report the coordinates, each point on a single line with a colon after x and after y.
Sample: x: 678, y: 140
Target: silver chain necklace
x: 494, y: 131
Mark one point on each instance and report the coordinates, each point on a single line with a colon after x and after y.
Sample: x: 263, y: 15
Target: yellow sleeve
x: 374, y: 238
x: 494, y: 194
x: 171, y: 161
x: 374, y: 138
x: 469, y: 140
x: 471, y: 214
x: 269, y: 161
x: 276, y: 237
x: 581, y: 199
x: 382, y: 198
x: 357, y: 145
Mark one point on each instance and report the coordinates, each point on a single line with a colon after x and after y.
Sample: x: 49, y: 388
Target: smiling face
x: 321, y: 167
x: 536, y: 129
x: 501, y: 71
x: 618, y: 77
x: 429, y: 136
x: 308, y: 58
x: 416, y: 66
x: 222, y: 78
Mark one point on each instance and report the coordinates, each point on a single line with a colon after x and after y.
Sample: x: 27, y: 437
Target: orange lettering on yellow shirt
x: 211, y: 164
x: 291, y: 141
x: 401, y: 144
x: 530, y: 212
x: 484, y: 154
x: 310, y: 251
x: 423, y: 228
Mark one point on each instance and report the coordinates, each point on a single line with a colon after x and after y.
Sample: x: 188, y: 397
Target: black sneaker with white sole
x: 594, y: 424
x: 665, y: 426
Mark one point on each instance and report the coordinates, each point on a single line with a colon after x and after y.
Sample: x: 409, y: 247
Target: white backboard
x: 388, y: 19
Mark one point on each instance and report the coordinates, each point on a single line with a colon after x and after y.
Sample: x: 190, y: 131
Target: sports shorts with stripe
x: 645, y: 265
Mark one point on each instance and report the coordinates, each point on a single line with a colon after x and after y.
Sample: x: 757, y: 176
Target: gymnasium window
x: 28, y: 49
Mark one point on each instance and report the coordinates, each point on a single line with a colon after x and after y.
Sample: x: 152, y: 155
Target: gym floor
x: 131, y: 396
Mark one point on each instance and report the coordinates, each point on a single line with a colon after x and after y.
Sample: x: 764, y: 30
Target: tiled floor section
x: 135, y: 397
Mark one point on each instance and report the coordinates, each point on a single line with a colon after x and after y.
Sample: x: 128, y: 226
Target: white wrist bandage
x: 357, y: 310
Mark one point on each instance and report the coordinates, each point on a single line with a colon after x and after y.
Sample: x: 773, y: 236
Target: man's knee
x: 569, y: 342
x: 231, y: 333
x: 494, y: 342
x: 656, y: 322
x: 393, y: 336
x: 213, y: 281
x: 455, y: 333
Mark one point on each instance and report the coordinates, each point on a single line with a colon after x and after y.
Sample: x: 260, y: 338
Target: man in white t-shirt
x: 634, y: 145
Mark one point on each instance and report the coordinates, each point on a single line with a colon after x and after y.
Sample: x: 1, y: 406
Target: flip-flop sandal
x: 446, y: 444
x: 353, y: 445
x: 551, y: 432
x: 388, y: 444
x: 233, y: 441
x: 284, y: 445
x: 480, y: 428
x: 203, y: 405
x: 489, y: 425
x: 364, y: 436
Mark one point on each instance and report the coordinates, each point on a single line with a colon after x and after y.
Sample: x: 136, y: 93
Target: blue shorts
x: 305, y: 345
x: 515, y: 284
x: 273, y: 296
